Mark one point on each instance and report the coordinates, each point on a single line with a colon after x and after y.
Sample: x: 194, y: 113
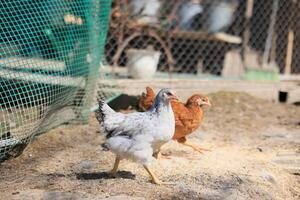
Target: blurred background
x: 207, y: 38
x: 201, y: 40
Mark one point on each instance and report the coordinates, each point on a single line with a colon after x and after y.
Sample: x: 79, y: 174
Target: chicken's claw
x: 154, y: 178
x: 112, y: 174
x: 200, y: 149
x: 195, y: 148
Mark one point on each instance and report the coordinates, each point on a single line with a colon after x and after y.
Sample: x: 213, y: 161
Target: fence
x: 224, y: 38
x: 50, y: 52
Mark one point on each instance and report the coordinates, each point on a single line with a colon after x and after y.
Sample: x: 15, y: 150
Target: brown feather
x: 147, y: 99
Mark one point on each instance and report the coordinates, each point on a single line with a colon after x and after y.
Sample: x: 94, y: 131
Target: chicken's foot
x: 194, y: 147
x: 154, y: 177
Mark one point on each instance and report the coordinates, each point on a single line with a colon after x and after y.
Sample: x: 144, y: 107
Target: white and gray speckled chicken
x: 136, y: 136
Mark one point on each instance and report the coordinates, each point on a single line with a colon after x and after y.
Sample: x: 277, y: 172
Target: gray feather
x: 135, y: 135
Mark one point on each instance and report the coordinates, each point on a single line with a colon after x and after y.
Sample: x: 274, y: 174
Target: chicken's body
x: 188, y: 116
x: 136, y: 136
x: 187, y: 119
x: 148, y: 135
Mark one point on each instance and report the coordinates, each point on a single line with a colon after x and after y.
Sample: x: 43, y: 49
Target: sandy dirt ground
x: 255, y: 154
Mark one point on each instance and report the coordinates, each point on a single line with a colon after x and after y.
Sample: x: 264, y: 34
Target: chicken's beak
x: 202, y: 103
x: 207, y: 103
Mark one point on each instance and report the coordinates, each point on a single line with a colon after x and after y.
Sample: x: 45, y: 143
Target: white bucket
x: 142, y: 64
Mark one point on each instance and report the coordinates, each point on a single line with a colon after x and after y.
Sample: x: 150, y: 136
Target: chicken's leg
x: 196, y: 148
x: 113, y: 172
x: 154, y: 177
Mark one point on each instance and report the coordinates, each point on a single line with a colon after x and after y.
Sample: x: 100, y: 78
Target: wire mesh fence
x: 49, y: 59
x: 226, y: 38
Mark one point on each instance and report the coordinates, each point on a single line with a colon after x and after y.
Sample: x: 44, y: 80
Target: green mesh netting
x: 50, y: 53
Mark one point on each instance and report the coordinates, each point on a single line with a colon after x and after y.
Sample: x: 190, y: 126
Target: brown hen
x: 147, y: 99
x: 188, y: 116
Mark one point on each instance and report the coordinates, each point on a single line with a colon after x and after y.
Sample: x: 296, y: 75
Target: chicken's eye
x: 169, y: 93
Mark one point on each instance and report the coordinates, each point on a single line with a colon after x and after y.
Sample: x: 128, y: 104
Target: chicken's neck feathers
x: 196, y: 109
x: 165, y: 114
x: 161, y: 107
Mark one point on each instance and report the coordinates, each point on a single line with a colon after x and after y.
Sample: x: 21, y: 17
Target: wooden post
x: 273, y: 47
x: 268, y: 45
x: 246, y: 34
x: 289, y: 53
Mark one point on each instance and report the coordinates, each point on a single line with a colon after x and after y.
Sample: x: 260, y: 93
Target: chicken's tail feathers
x: 102, y: 111
x: 146, y: 99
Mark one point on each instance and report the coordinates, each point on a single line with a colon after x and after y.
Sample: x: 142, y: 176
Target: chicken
x: 188, y: 116
x: 135, y: 136
x: 146, y: 100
